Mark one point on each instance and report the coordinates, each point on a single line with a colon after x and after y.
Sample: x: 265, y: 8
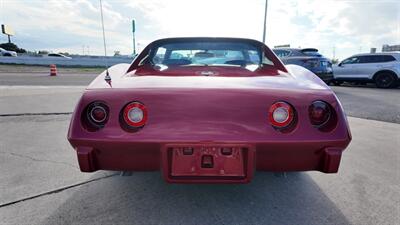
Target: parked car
x: 4, y: 52
x: 308, y: 58
x: 208, y: 123
x: 57, y: 55
x: 383, y: 69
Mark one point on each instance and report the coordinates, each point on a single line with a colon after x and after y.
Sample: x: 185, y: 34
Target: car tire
x: 337, y: 82
x: 385, y: 80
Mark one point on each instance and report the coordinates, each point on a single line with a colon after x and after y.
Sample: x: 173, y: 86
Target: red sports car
x: 208, y: 110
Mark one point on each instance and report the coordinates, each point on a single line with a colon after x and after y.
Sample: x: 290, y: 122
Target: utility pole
x: 133, y: 37
x: 265, y: 20
x: 334, y: 52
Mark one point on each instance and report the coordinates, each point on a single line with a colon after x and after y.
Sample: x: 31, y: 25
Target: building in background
x: 390, y: 48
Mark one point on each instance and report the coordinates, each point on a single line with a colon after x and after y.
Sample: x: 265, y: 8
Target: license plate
x: 207, y: 161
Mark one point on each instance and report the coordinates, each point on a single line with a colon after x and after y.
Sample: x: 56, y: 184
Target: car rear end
x: 310, y: 59
x: 396, y: 64
x: 320, y: 66
x: 209, y: 135
x: 317, y: 63
x: 208, y: 122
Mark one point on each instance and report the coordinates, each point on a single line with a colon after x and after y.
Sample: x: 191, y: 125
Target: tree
x: 335, y: 61
x: 12, y: 47
x: 43, y: 52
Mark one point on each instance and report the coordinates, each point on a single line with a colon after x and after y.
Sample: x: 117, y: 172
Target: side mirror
x: 340, y: 64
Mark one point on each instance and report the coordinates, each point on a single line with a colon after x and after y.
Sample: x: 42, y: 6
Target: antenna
x: 107, y: 78
x: 265, y: 20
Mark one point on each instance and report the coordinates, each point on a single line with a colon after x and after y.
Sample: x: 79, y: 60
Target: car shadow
x: 144, y: 198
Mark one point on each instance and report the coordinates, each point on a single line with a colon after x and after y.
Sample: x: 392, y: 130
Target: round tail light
x: 95, y: 116
x: 135, y: 114
x: 281, y: 114
x: 98, y: 114
x: 319, y: 113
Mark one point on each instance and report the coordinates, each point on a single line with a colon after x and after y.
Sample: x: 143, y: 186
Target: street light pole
x: 133, y: 38
x: 265, y: 20
x: 134, y: 44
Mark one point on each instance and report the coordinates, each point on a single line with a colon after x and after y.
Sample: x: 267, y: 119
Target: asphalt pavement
x: 369, y: 102
x: 44, y: 79
x: 40, y: 182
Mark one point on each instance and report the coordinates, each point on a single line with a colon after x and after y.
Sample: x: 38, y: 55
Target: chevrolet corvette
x: 208, y: 110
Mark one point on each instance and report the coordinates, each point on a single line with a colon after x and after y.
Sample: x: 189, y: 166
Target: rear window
x: 388, y: 58
x: 281, y: 53
x: 201, y: 53
x: 311, y: 53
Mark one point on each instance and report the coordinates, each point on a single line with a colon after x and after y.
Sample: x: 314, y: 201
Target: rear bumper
x: 276, y: 157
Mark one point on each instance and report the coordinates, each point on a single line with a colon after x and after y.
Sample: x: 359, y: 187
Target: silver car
x: 383, y: 69
x: 4, y: 52
x: 57, y: 55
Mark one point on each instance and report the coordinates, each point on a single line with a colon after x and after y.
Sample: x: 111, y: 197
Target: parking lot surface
x: 40, y: 182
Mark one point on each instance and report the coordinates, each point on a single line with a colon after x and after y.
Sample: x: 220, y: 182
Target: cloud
x: 306, y: 23
x: 61, y: 24
x: 333, y: 24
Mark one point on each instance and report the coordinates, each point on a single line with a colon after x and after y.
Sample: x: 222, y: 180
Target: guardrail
x: 83, y: 61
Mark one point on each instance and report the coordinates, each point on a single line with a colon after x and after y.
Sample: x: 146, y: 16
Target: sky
x: 338, y: 28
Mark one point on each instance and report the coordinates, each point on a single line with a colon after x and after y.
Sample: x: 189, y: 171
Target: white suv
x: 383, y: 69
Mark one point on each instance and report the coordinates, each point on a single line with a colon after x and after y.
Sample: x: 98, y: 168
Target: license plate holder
x: 207, y: 161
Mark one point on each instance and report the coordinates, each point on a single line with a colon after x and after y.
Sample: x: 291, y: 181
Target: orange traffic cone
x: 53, y: 70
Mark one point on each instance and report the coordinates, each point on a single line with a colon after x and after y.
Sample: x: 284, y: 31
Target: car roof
x: 183, y: 39
x: 395, y: 54
x: 297, y: 49
x: 377, y: 53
